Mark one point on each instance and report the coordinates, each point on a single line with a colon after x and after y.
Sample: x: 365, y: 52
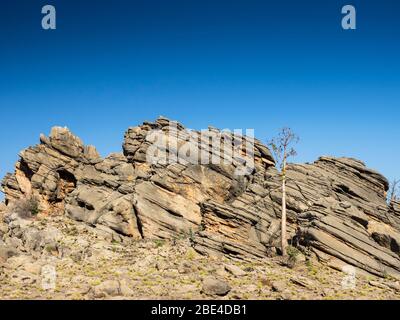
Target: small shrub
x: 190, y: 254
x: 26, y: 207
x: 293, y: 254
x: 311, y: 268
x: 191, y: 236
x: 159, y: 243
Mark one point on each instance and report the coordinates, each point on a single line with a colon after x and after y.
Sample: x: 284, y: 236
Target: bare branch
x: 282, y: 146
x: 394, y: 191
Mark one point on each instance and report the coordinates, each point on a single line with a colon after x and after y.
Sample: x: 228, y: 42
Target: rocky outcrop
x: 347, y: 217
x: 170, y: 182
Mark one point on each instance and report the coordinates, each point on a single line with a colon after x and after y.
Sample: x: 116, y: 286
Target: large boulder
x: 215, y: 287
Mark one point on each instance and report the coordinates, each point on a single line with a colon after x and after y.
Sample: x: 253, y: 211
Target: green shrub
x: 293, y: 254
x: 159, y: 243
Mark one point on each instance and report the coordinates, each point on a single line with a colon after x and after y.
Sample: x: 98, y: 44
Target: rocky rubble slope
x: 337, y: 206
x: 89, y: 265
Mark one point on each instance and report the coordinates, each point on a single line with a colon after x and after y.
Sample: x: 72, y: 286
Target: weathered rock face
x: 347, y: 216
x: 395, y: 212
x: 226, y: 199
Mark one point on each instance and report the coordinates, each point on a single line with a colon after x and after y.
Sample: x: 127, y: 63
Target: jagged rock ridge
x: 336, y: 206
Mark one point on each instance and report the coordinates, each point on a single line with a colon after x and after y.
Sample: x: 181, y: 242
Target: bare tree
x: 394, y: 190
x: 282, y: 147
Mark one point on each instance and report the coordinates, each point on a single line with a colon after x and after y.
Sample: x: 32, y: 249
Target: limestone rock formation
x: 229, y: 204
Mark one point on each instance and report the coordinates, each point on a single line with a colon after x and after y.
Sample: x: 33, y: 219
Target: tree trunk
x: 283, y: 221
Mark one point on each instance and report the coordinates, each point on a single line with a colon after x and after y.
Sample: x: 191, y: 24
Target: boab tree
x: 282, y: 147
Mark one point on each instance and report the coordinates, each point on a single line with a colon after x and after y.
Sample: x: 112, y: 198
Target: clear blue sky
x: 230, y: 64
